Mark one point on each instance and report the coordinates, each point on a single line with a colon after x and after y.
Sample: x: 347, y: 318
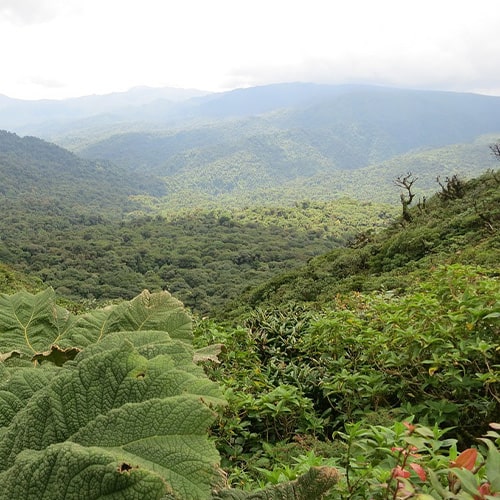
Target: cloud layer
x: 61, y: 48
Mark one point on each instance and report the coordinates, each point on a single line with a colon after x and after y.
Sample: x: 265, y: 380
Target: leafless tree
x: 406, y: 182
x: 495, y: 149
x: 452, y: 189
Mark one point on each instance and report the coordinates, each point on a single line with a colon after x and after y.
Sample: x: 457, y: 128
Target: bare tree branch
x: 406, y: 182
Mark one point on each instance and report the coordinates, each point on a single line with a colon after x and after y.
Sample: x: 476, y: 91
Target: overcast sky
x: 65, y: 48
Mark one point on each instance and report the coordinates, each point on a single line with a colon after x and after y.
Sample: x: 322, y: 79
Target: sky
x: 55, y: 49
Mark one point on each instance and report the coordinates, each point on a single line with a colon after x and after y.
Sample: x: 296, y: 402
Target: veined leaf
x: 126, y: 418
x: 68, y: 470
x: 157, y: 311
x: 311, y: 485
x: 208, y: 353
x: 17, y: 386
x: 30, y: 324
x: 148, y: 343
x: 149, y: 414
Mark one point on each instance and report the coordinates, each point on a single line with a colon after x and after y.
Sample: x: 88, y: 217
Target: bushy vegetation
x: 442, y: 231
x: 394, y: 384
x: 294, y: 375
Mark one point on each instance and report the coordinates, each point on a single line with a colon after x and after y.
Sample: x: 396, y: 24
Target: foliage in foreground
x: 409, y: 460
x: 109, y: 404
x: 295, y: 376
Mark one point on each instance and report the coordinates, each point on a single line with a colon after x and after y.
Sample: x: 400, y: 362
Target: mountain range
x: 268, y: 145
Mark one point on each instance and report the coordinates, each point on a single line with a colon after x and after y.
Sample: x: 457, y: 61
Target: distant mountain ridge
x: 37, y: 174
x: 26, y: 116
x: 313, y: 134
x: 272, y: 144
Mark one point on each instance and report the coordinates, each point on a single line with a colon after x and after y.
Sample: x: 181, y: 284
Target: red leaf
x: 483, y: 490
x: 466, y: 459
x: 398, y: 471
x: 419, y: 471
x: 410, y: 427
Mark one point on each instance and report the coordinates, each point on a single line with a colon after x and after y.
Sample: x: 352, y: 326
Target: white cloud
x: 22, y: 12
x: 98, y: 46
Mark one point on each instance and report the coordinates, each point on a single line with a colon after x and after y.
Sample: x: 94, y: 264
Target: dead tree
x: 453, y: 189
x: 495, y: 149
x: 406, y: 182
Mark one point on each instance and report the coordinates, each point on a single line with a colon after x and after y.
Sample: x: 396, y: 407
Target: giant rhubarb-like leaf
x: 147, y: 311
x: 35, y: 327
x: 147, y: 414
x: 127, y: 418
x: 30, y: 324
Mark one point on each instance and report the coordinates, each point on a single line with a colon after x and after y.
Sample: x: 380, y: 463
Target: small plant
x: 412, y: 461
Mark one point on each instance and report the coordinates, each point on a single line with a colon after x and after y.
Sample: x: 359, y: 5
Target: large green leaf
x: 35, y: 327
x: 30, y: 324
x: 126, y: 418
x: 146, y: 413
x: 17, y: 386
x: 314, y: 484
x: 70, y: 471
x: 157, y: 311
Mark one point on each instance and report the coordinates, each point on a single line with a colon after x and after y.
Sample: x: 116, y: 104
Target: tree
x: 406, y: 182
x: 453, y: 188
x: 495, y: 149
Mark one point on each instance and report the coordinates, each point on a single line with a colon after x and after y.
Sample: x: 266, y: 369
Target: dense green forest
x: 80, y: 227
x: 204, y: 257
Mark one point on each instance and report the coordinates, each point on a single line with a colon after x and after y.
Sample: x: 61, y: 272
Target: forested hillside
x: 241, y: 149
x: 380, y: 359
x: 204, y: 257
x: 272, y: 145
x: 351, y: 127
x: 37, y: 175
x: 457, y: 225
x: 372, y: 372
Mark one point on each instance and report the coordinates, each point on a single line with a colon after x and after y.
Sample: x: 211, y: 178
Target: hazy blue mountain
x: 314, y: 133
x: 35, y: 116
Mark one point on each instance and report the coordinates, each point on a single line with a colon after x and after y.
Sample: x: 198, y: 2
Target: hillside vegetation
x: 331, y: 348
x: 205, y: 257
x: 275, y: 144
x: 37, y: 175
x: 457, y: 225
x: 369, y: 373
x: 322, y: 364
